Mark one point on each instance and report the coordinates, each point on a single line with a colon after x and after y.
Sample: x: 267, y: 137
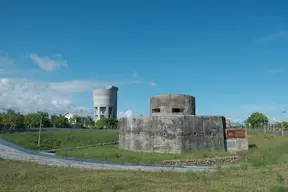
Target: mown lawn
x: 271, y: 146
x: 274, y: 148
x: 60, y: 139
x: 114, y: 154
x: 25, y: 177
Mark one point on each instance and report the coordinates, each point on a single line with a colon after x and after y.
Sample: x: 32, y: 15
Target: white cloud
x: 77, y: 85
x: 9, y: 68
x: 276, y: 70
x: 26, y: 95
x: 272, y: 37
x: 29, y: 96
x: 135, y: 74
x: 6, y: 61
x: 264, y: 107
x: 81, y: 111
x: 48, y: 64
x: 153, y: 84
x: 128, y: 113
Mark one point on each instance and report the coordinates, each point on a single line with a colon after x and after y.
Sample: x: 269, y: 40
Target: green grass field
x: 25, y: 177
x: 267, y: 174
x: 274, y: 148
x: 113, y: 153
x: 60, y: 139
x: 271, y: 146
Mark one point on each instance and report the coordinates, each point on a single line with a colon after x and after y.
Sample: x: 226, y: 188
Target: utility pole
x: 282, y: 131
x: 39, y: 137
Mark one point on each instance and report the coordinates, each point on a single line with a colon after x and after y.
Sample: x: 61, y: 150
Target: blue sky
x: 231, y: 55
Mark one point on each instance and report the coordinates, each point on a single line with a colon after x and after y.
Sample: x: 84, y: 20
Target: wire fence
x: 269, y: 130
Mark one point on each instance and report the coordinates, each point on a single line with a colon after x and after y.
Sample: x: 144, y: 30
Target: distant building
x: 70, y: 116
x: 105, y: 103
x: 228, y: 123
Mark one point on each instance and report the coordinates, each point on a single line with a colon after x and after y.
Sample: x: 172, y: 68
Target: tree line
x: 259, y: 120
x: 11, y: 120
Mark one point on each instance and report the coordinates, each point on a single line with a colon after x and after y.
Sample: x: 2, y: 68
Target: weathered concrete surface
x: 172, y: 104
x: 172, y: 133
x: 13, y: 152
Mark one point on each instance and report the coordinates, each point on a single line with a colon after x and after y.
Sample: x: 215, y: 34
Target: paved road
x: 14, y: 152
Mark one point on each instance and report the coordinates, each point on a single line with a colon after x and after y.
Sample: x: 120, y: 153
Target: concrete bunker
x: 172, y: 127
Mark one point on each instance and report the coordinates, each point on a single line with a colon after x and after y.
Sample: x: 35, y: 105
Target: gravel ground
x: 13, y: 152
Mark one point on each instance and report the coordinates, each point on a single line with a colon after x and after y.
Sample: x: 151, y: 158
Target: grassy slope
x: 274, y: 148
x: 264, y: 142
x: 113, y: 153
x: 60, y: 139
x: 23, y: 177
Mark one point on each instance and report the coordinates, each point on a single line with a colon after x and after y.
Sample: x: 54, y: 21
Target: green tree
x: 77, y: 121
x: 106, y: 123
x: 20, y: 121
x: 45, y: 118
x: 257, y: 119
x: 11, y: 120
x: 30, y: 121
x: 285, y: 124
x: 1, y: 120
x: 89, y: 121
x: 60, y: 121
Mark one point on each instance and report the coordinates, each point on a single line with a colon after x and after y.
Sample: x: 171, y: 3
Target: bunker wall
x: 176, y: 104
x: 172, y: 134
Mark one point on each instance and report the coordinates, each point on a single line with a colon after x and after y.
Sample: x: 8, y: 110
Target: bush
x: 107, y: 123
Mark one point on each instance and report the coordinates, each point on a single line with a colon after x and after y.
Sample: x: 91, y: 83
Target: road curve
x: 14, y: 152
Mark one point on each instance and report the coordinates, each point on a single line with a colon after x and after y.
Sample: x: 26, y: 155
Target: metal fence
x: 265, y: 130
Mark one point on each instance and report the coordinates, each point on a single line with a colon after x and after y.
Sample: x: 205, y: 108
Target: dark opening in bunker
x: 177, y: 110
x: 156, y: 110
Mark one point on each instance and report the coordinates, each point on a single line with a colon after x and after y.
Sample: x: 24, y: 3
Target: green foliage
x: 107, y: 123
x: 11, y: 120
x: 81, y: 122
x: 256, y: 120
x: 33, y: 120
x: 285, y: 124
x: 60, y: 121
x: 89, y: 121
x: 60, y: 139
